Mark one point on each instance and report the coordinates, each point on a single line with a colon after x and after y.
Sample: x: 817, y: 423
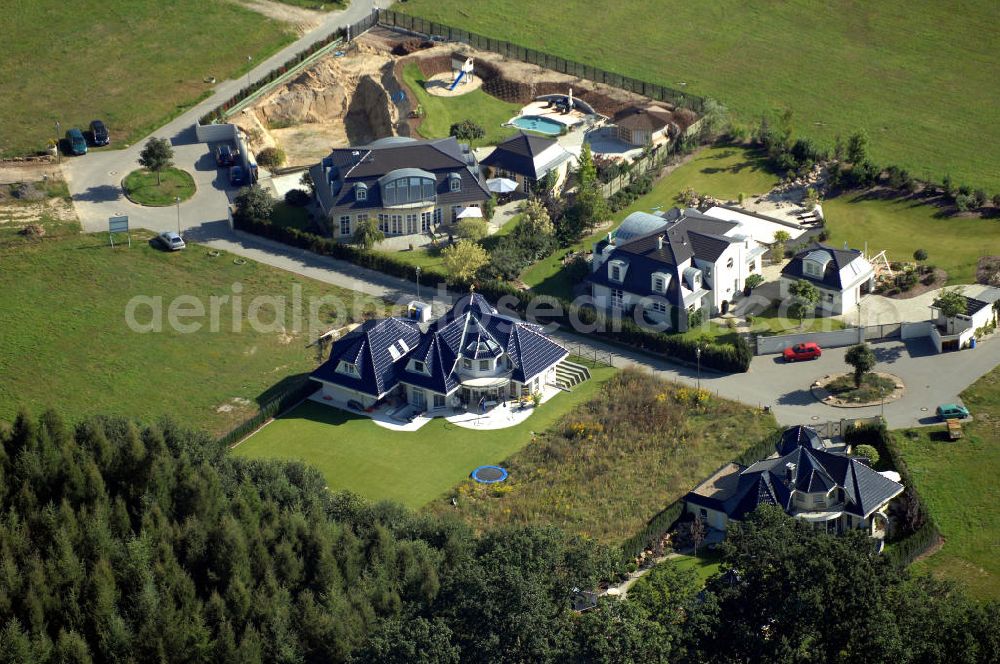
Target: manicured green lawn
x: 770, y: 321
x: 146, y: 188
x: 425, y: 257
x: 413, y: 468
x: 65, y: 343
x: 902, y: 226
x: 957, y: 481
x: 704, y: 566
x: 441, y: 112
x: 903, y: 71
x: 722, y: 171
x: 132, y: 63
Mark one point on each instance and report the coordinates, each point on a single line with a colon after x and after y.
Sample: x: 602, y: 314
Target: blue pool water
x: 539, y: 124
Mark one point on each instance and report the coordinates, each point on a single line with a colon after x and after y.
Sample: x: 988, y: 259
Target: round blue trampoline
x: 489, y: 474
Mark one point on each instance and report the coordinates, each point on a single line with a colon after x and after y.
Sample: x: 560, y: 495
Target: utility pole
x: 177, y: 200
x: 697, y: 354
x: 249, y: 67
x: 418, y: 282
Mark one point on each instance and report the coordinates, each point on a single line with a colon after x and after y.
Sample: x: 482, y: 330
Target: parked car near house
x: 99, y: 133
x: 948, y: 411
x: 224, y: 155
x: 75, y: 142
x: 803, y: 351
x: 237, y: 176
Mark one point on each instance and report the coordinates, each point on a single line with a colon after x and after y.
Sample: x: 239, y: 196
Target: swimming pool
x: 539, y: 124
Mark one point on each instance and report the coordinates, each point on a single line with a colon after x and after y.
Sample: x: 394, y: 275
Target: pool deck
x: 538, y: 108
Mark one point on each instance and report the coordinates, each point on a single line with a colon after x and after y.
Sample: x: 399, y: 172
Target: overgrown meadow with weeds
x: 616, y: 460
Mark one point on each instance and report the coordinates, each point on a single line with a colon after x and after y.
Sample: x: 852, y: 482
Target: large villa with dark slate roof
x: 472, y: 358
x: 672, y: 264
x: 408, y: 187
x: 809, y: 479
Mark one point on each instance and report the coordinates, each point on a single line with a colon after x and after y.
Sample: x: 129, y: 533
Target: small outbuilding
x: 644, y: 125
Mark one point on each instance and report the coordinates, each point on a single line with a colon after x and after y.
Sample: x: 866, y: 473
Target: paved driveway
x: 931, y: 379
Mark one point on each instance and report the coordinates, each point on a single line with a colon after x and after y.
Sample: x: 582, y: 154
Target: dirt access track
x: 356, y: 98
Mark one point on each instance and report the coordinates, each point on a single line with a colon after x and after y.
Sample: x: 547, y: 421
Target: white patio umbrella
x: 468, y: 212
x: 501, y: 185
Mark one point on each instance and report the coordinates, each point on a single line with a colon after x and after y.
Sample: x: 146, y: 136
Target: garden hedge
x: 734, y: 358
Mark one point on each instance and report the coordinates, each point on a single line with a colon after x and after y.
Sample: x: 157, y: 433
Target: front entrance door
x: 418, y: 399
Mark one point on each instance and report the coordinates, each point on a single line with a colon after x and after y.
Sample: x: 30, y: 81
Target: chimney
x: 659, y: 242
x: 789, y: 472
x: 610, y: 239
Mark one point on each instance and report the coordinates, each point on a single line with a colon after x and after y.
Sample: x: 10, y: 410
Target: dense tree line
x: 121, y: 543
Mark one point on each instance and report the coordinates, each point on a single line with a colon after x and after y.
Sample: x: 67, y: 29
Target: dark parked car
x: 237, y: 176
x: 75, y: 141
x: 99, y: 132
x: 225, y: 155
x: 806, y: 351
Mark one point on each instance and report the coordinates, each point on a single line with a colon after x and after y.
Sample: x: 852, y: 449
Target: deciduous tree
x: 862, y: 359
x: 156, y: 156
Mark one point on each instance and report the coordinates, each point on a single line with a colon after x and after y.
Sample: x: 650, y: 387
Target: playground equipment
x: 462, y: 67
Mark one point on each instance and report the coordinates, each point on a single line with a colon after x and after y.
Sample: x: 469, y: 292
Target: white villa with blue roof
x: 473, y: 357
x: 670, y: 265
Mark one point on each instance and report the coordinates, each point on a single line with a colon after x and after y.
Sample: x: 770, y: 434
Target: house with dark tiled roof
x: 528, y: 159
x: 670, y: 265
x: 471, y: 355
x: 408, y: 187
x: 842, y: 276
x: 832, y: 491
x: 955, y: 332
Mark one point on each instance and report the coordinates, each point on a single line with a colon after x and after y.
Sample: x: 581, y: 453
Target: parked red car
x: 806, y: 351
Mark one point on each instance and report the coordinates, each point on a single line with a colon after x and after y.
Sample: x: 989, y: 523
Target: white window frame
x: 484, y: 365
x: 425, y: 221
x: 360, y: 192
x: 617, y: 298
x: 411, y: 224
x: 345, y: 224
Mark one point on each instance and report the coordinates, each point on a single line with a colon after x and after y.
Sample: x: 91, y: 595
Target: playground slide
x: 457, y: 79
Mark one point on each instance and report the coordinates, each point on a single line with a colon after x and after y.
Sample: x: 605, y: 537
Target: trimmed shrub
x: 271, y: 157
x: 298, y: 198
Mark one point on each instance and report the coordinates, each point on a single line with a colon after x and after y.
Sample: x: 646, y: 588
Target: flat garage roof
x: 759, y: 229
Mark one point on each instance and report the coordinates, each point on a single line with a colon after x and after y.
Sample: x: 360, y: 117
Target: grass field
x: 65, y: 342
x: 133, y: 64
x: 900, y: 226
x: 412, y: 468
x: 957, y: 481
x: 722, y: 171
x: 441, y: 112
x: 146, y: 188
x: 636, y: 447
x: 907, y: 73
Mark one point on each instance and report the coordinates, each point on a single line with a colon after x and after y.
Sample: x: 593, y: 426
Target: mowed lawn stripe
x: 921, y: 78
x: 412, y: 468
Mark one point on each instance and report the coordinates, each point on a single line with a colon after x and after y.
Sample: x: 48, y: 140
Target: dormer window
x: 348, y: 368
x: 466, y: 363
x: 454, y: 182
x: 659, y: 282
x: 361, y: 192
x: 616, y: 270
x: 418, y: 366
x: 812, y: 268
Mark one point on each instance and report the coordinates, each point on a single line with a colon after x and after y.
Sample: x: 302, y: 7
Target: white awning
x: 470, y: 213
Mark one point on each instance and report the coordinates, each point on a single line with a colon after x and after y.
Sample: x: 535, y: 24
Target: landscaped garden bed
x: 875, y: 388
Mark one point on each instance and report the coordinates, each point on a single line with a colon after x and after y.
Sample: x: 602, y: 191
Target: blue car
x: 76, y: 142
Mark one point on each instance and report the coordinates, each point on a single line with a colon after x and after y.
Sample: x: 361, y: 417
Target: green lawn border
x: 165, y: 175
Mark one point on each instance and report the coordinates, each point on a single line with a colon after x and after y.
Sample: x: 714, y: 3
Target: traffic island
x: 876, y: 388
x: 142, y: 187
